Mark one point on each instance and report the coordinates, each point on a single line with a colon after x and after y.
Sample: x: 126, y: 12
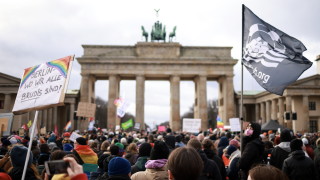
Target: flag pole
x: 30, y: 144
x: 241, y: 99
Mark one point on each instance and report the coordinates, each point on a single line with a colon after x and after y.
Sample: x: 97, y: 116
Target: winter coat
x: 279, y: 154
x: 297, y: 166
x: 212, y: 155
x: 155, y: 170
x: 210, y: 168
x: 223, y: 143
x: 16, y: 174
x: 252, y: 155
x: 139, y: 165
x: 131, y: 157
x: 233, y: 169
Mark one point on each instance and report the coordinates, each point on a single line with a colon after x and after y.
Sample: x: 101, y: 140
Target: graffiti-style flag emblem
x: 272, y: 57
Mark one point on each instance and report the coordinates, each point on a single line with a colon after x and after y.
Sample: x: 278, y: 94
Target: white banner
x: 191, y: 125
x: 235, y: 124
x: 74, y: 136
x: 43, y: 85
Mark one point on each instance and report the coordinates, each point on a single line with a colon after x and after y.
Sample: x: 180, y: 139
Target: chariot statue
x: 144, y: 33
x: 172, y: 34
x: 157, y: 32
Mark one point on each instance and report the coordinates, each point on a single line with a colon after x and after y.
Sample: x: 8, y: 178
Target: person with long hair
x: 265, y: 172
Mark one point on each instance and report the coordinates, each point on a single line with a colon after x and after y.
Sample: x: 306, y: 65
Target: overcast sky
x: 36, y: 31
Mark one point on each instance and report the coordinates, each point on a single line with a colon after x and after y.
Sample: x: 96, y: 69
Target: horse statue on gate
x: 144, y: 33
x: 157, y: 32
x: 172, y: 34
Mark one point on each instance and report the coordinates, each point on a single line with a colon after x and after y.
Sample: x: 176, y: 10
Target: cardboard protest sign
x: 137, y: 126
x: 74, y: 136
x: 86, y: 109
x: 122, y: 106
x: 191, y: 125
x: 235, y: 124
x: 43, y: 86
x: 6, y: 120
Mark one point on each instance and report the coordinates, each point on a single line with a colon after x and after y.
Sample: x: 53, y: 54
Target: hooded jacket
x: 297, y: 166
x: 155, y: 170
x: 210, y: 168
x: 279, y: 154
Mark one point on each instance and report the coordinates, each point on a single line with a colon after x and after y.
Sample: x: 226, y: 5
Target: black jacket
x: 278, y: 155
x: 251, y: 155
x: 212, y: 155
x: 297, y: 166
x: 210, y: 168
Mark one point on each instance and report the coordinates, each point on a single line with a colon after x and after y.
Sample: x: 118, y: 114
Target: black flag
x: 272, y: 57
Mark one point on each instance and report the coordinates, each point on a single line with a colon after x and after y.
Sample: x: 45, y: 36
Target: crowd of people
x: 217, y: 155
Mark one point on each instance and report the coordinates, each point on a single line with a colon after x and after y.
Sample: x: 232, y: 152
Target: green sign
x: 127, y: 125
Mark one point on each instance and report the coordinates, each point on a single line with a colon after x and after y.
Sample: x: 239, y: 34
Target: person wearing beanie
x: 144, y: 154
x: 83, y: 152
x: 253, y: 149
x: 156, y: 166
x: 67, y: 148
x: 234, y: 155
x: 4, y: 147
x: 119, y: 168
x: 308, y: 149
x: 18, y: 156
x: 282, y: 150
x: 297, y: 166
x: 4, y: 176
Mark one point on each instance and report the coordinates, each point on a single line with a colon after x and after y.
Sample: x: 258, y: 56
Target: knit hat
x: 119, y: 166
x: 231, y: 149
x: 305, y: 141
x: 145, y: 149
x: 160, y: 150
x: 81, y: 141
x: 234, y: 142
x: 120, y: 145
x: 18, y: 156
x: 13, y: 140
x: 285, y: 135
x: 66, y: 134
x: 67, y: 147
x: 296, y: 144
x: 6, y: 142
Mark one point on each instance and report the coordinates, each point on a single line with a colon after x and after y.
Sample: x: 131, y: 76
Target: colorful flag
x: 127, y: 125
x: 67, y: 127
x: 273, y: 58
x: 29, y: 124
x: 219, y: 122
x: 56, y: 130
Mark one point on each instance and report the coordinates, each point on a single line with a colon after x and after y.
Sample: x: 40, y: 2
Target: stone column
x: 303, y: 115
x: 84, y: 89
x: 7, y: 102
x: 91, y: 88
x: 71, y: 117
x: 49, y: 120
x: 114, y: 83
x: 257, y: 112
x: 268, y: 113
x: 226, y: 108
x: 201, y: 101
x: 263, y: 112
x: 289, y: 109
x: 140, y: 88
x: 281, y: 111
x: 44, y: 118
x: 175, y: 123
x: 273, y: 109
x: 55, y: 118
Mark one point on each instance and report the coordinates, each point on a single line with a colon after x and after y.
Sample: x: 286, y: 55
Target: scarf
x: 87, y: 154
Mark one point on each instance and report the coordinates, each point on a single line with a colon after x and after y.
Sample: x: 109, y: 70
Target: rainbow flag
x: 219, y: 122
x: 68, y: 126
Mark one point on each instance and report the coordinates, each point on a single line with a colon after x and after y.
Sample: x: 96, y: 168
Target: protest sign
x: 235, y: 124
x: 6, y: 120
x: 74, y: 136
x: 137, y: 126
x: 191, y: 125
x: 43, y: 86
x: 126, y: 125
x: 117, y: 127
x: 161, y: 128
x: 122, y: 106
x: 86, y: 109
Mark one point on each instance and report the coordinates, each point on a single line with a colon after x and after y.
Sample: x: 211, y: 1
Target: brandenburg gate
x: 160, y: 61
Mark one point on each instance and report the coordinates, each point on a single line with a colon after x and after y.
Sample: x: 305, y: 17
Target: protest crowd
x: 135, y: 155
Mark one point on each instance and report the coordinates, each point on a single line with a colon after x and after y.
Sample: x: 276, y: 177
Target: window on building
x: 312, y: 106
x: 1, y: 104
x: 313, y: 126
